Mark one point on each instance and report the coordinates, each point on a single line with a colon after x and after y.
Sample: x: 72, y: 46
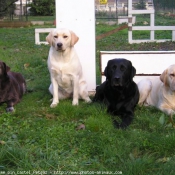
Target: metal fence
x: 15, y: 11
x: 113, y: 10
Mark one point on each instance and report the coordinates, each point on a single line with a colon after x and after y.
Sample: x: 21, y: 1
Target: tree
x: 141, y: 5
x: 6, y: 5
x: 42, y: 7
x: 164, y: 4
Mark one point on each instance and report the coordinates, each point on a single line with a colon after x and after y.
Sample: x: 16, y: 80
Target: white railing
x: 152, y: 28
x: 37, y: 35
x: 143, y: 61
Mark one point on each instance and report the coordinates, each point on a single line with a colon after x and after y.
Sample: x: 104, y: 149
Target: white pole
x: 79, y: 16
x: 130, y: 21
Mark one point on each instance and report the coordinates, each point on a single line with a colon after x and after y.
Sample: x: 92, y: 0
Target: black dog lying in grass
x: 119, y: 92
x: 12, y: 87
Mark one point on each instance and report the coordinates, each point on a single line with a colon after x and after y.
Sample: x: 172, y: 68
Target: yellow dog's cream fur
x: 65, y: 68
x: 159, y: 92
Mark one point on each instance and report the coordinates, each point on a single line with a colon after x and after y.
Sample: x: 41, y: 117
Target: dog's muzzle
x: 116, y: 81
x: 59, y: 46
x: 172, y: 86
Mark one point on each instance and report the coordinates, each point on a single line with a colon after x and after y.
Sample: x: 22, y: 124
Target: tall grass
x: 37, y: 137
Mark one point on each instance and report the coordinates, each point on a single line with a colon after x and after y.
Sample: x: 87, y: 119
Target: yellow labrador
x: 65, y: 68
x: 160, y: 91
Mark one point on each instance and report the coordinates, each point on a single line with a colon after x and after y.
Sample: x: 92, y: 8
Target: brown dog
x: 12, y: 87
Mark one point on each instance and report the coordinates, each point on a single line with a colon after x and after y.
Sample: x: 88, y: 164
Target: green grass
x: 37, y: 137
x: 41, y: 18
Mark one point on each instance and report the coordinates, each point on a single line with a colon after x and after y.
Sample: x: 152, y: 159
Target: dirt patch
x: 14, y: 24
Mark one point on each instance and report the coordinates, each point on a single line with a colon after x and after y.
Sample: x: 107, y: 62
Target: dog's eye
x: 65, y: 36
x: 55, y: 36
x: 114, y: 67
x: 122, y: 68
x: 172, y: 75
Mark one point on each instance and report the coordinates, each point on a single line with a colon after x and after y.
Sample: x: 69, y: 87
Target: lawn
x: 39, y: 138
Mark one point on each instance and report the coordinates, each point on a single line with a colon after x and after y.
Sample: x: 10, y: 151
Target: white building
x: 21, y: 7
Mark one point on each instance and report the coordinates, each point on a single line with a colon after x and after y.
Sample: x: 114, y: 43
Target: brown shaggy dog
x: 12, y: 87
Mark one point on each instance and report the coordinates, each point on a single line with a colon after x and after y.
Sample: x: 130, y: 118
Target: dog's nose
x: 117, y: 79
x: 59, y: 45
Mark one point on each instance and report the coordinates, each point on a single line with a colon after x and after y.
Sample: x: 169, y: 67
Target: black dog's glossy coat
x: 119, y: 92
x: 12, y: 87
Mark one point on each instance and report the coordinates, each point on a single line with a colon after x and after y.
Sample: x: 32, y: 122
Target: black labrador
x: 12, y: 87
x: 119, y: 92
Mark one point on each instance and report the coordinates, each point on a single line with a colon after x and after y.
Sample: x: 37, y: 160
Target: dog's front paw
x: 10, y: 109
x: 53, y: 105
x: 88, y: 100
x: 75, y: 102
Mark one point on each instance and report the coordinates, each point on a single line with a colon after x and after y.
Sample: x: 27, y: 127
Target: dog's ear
x: 133, y: 70
x: 163, y: 76
x: 106, y: 71
x: 6, y: 68
x: 49, y: 38
x: 74, y: 38
x: 133, y: 73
